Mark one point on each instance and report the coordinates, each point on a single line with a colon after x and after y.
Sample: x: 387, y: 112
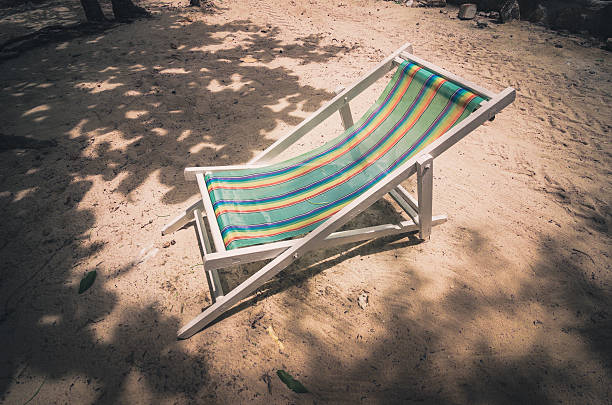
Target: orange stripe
x: 348, y: 148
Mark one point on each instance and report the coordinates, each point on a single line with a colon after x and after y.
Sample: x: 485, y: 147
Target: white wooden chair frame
x: 325, y: 235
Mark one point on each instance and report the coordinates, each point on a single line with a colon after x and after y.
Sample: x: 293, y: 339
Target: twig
x: 586, y: 254
x: 36, y: 393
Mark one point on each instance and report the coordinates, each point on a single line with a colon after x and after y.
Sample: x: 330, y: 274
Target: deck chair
x: 280, y: 211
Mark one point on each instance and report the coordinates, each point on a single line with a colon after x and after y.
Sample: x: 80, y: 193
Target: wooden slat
x: 407, y: 197
x: 346, y: 116
x: 424, y: 167
x: 399, y: 199
x: 190, y: 172
x: 201, y: 229
x: 183, y: 219
x: 210, y: 215
x: 212, y: 276
x: 345, y: 111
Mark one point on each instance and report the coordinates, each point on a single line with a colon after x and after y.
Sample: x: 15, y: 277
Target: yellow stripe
x: 364, y: 133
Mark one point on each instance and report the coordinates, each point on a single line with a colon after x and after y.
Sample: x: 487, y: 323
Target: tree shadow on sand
x: 120, y: 118
x: 418, y: 350
x: 175, y: 95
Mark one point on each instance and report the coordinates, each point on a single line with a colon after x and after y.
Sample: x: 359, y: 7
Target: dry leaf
x: 273, y: 336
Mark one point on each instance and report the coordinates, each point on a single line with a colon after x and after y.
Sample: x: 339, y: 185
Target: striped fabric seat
x: 291, y: 198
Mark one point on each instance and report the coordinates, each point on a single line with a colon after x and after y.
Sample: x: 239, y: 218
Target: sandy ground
x: 509, y: 302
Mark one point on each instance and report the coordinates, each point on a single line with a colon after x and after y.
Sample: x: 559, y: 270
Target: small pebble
x: 167, y: 244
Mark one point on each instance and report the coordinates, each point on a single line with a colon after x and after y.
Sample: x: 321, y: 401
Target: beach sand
x: 509, y: 302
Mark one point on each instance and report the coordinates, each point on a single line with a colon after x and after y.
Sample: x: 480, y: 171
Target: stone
x: 509, y: 10
x: 432, y: 3
x: 467, y: 11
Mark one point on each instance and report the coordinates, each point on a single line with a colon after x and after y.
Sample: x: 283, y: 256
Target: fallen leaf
x: 87, y: 281
x: 291, y: 382
x: 273, y: 336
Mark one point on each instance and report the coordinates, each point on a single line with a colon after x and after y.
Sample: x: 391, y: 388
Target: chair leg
x: 425, y: 194
x: 212, y: 275
x: 224, y: 303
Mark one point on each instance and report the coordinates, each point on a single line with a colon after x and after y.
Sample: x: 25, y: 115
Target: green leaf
x: 291, y: 382
x: 87, y: 281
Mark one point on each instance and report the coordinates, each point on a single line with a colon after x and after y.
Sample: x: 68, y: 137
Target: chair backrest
x: 290, y: 198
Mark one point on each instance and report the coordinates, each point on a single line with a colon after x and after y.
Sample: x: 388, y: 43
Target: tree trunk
x: 125, y: 10
x: 509, y: 10
x: 92, y: 9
